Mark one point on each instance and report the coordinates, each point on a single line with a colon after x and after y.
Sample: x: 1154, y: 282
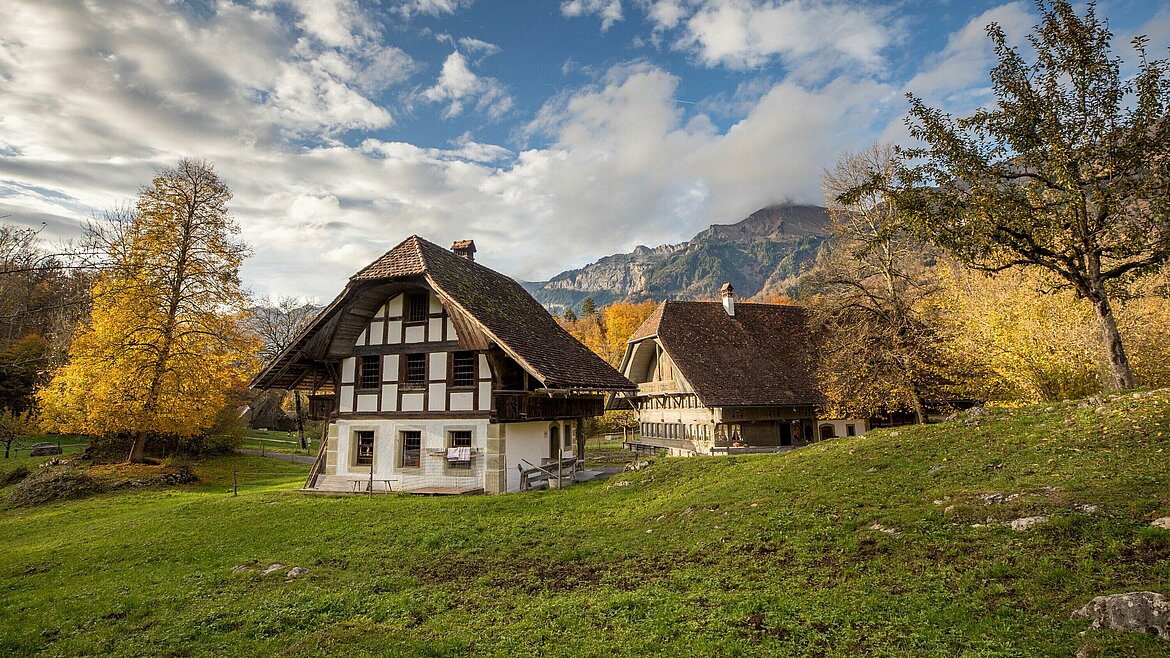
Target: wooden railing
x: 665, y: 386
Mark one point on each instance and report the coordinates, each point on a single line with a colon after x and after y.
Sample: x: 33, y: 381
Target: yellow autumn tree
x: 1035, y: 341
x: 621, y: 320
x: 167, y: 343
x: 1030, y: 346
x: 606, y: 331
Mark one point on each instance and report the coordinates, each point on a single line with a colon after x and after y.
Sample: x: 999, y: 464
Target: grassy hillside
x: 752, y: 555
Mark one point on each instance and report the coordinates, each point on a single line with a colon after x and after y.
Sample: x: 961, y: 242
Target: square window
x: 463, y: 369
x: 411, y: 449
x: 850, y: 430
x: 370, y: 375
x: 416, y: 369
x: 365, y: 448
x: 459, y: 439
x: 418, y: 307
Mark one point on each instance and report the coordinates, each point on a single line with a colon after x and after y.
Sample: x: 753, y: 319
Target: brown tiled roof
x: 763, y: 356
x: 499, y: 305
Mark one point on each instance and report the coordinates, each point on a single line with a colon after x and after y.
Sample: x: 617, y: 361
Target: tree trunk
x: 138, y: 449
x: 1111, y: 341
x: 300, y: 421
x: 919, y: 407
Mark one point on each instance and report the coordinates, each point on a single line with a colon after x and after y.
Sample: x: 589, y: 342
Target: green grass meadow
x: 730, y: 556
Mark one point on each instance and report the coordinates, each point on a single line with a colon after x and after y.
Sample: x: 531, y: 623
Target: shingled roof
x: 761, y: 357
x: 492, y: 302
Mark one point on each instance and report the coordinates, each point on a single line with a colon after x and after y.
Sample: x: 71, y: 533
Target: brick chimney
x: 728, y: 294
x: 465, y: 248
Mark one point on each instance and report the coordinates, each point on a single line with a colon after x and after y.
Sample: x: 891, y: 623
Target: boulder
x: 1028, y: 522
x: 296, y: 572
x: 272, y: 568
x: 1147, y: 612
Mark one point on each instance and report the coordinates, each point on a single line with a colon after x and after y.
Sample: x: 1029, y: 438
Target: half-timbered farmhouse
x: 440, y: 375
x: 723, y: 377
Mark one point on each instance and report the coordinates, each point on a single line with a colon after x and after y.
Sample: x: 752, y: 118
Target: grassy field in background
x: 730, y: 556
x: 274, y: 441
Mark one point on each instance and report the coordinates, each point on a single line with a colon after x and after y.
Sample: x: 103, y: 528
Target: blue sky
x: 553, y: 133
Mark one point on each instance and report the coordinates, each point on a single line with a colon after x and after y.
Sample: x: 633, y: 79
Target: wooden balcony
x: 664, y: 386
x: 320, y: 407
x: 520, y: 406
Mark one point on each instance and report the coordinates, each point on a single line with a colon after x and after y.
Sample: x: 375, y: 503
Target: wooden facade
x: 439, y: 375
x: 707, y: 381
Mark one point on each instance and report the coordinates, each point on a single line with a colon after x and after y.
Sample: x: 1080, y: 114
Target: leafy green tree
x: 14, y: 425
x: 21, y: 364
x: 167, y: 345
x: 569, y: 315
x: 1069, y: 171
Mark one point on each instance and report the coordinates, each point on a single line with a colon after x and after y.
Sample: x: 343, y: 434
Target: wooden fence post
x: 235, y: 483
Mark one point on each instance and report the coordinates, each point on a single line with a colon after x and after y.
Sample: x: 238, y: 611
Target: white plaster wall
x: 438, y: 366
x: 415, y: 334
x: 390, y: 368
x: 394, y: 333
x: 839, y: 429
x: 485, y: 395
x: 451, y: 335
x: 525, y: 441
x: 390, y: 397
x: 437, y: 397
x: 412, y: 402
x: 462, y: 401
x: 433, y: 471
x: 347, y: 369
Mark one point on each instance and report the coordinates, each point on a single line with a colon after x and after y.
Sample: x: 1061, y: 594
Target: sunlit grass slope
x: 753, y: 555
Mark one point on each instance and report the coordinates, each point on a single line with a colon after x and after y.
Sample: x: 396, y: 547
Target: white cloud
x: 459, y: 86
x: 609, y: 11
x: 336, y: 23
x: 473, y: 45
x: 811, y: 37
x: 98, y: 96
x: 958, y: 75
x: 409, y: 8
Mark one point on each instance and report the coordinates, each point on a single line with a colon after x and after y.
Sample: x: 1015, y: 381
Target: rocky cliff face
x: 764, y: 252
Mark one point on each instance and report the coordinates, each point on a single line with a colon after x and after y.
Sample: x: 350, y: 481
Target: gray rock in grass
x: 1147, y: 612
x: 1028, y: 522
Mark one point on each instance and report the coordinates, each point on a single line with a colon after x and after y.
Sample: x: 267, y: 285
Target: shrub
x: 52, y: 483
x: 12, y: 477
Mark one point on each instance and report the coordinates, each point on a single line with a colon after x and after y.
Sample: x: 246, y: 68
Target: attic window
x: 417, y: 307
x: 369, y: 372
x: 416, y: 369
x: 463, y: 369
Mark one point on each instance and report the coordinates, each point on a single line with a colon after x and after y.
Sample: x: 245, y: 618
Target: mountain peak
x: 765, y: 251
